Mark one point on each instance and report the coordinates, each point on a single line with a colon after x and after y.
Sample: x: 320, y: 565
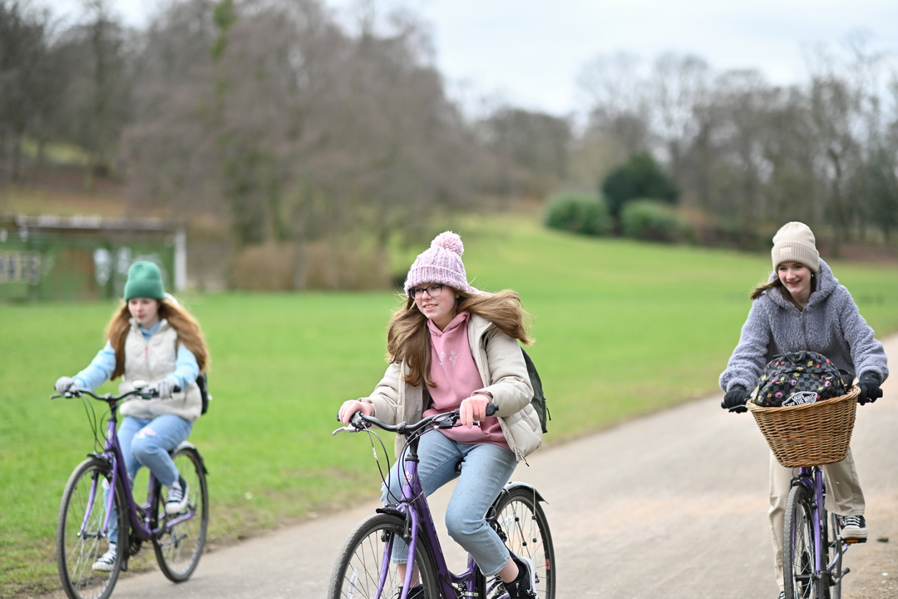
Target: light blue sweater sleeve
x: 186, y: 368
x: 98, y: 371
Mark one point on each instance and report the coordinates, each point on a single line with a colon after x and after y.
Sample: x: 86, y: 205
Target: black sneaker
x: 522, y: 587
x: 176, y: 501
x: 854, y: 528
x: 782, y: 595
x: 413, y: 593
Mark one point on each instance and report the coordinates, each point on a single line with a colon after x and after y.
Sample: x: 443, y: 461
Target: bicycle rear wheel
x: 522, y: 523
x: 801, y: 579
x: 80, y: 537
x: 363, y: 569
x: 179, y: 546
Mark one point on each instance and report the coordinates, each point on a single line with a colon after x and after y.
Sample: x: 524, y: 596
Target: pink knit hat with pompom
x: 441, y: 263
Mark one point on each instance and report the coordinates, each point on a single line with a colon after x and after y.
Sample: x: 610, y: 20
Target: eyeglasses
x: 432, y: 290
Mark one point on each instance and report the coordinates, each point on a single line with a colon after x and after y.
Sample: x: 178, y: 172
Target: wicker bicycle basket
x: 809, y: 434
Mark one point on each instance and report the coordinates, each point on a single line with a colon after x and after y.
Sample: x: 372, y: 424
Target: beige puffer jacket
x: 504, y: 373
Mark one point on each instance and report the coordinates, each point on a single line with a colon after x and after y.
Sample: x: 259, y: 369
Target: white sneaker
x: 854, y: 528
x: 176, y: 501
x: 104, y: 564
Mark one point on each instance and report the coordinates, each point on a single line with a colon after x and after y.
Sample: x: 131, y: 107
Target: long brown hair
x: 408, y: 338
x: 777, y: 284
x: 184, y: 324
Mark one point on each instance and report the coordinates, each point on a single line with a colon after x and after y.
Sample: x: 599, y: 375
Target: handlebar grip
x: 358, y: 420
x: 491, y: 409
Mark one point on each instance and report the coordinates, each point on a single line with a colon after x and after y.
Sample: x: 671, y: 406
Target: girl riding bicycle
x: 150, y: 338
x: 451, y: 346
x: 803, y: 307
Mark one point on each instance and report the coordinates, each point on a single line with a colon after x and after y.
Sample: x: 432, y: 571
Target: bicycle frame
x: 416, y: 510
x: 138, y: 515
x: 812, y: 478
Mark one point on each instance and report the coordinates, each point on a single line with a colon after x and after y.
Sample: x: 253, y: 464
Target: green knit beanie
x: 144, y: 280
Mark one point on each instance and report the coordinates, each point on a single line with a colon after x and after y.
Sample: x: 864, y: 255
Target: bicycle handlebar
x: 142, y: 392
x: 360, y: 421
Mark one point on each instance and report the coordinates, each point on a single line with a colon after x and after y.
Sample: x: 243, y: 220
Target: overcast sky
x: 530, y: 52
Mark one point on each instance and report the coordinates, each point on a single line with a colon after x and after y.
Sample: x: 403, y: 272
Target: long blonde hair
x: 408, y: 338
x: 185, y: 325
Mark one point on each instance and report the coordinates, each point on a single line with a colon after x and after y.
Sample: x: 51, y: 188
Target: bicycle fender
x: 192, y: 447
x: 392, y: 511
x: 511, y: 485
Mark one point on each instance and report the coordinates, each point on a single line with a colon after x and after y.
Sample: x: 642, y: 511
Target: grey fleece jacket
x: 830, y: 324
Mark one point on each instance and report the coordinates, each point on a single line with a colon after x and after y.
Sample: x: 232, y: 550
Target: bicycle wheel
x: 180, y: 543
x: 834, y: 553
x: 363, y: 569
x: 80, y: 537
x: 801, y: 579
x: 522, y: 523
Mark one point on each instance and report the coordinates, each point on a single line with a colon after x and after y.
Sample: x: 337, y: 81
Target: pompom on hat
x: 795, y: 242
x: 441, y: 263
x: 144, y: 280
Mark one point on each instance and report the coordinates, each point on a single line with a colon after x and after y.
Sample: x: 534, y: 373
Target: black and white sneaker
x: 413, y: 593
x: 104, y: 564
x: 176, y: 501
x: 854, y: 528
x: 524, y: 586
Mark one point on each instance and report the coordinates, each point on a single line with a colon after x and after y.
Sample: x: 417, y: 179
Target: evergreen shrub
x: 581, y: 213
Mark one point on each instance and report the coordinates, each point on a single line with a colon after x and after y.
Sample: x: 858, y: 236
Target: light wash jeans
x: 146, y: 442
x: 485, y: 469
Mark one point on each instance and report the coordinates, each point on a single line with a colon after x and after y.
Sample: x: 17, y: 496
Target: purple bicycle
x: 812, y: 545
x: 97, y: 503
x: 363, y: 569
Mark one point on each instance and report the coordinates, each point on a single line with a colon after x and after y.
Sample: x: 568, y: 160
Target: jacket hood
x: 826, y: 284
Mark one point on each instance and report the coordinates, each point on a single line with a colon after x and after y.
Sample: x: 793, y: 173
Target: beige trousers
x: 843, y: 496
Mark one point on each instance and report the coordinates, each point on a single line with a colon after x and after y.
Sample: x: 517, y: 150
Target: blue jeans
x: 146, y: 442
x: 485, y: 469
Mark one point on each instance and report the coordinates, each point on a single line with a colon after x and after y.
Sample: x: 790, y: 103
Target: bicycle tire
x: 357, y: 569
x: 522, y: 523
x: 179, y: 548
x: 83, y: 502
x: 801, y: 581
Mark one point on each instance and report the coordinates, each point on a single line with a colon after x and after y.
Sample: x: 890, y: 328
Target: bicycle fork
x: 822, y: 542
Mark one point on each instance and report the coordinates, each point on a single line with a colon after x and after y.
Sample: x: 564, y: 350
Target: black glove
x: 735, y: 399
x: 870, y: 390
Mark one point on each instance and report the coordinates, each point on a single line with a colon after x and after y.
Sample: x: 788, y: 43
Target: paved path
x: 669, y: 506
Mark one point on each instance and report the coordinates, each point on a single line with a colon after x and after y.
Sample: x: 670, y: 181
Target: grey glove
x: 64, y: 383
x: 165, y: 387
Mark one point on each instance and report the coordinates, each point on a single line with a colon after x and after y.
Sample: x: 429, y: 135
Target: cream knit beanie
x: 795, y: 242
x: 441, y: 263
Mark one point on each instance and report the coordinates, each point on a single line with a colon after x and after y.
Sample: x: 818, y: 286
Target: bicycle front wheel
x: 521, y: 521
x: 801, y: 579
x: 83, y: 529
x: 363, y: 569
x: 181, y: 538
x: 834, y: 543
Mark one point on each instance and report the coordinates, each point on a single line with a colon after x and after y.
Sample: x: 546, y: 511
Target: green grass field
x: 622, y: 329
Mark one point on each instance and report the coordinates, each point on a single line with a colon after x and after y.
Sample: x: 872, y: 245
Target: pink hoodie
x: 456, y: 376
